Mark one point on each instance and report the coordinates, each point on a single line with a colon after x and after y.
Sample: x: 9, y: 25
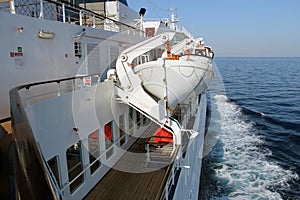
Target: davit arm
x: 130, y: 89
x: 128, y: 79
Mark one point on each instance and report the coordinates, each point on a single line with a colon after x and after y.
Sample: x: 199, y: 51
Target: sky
x: 264, y: 28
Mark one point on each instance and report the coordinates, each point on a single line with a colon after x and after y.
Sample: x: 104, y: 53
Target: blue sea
x: 252, y: 146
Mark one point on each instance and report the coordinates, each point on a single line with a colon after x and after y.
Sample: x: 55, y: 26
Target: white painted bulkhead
x: 87, y: 110
x: 27, y: 58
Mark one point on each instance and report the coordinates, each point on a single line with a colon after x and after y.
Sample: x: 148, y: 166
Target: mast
x: 173, y: 20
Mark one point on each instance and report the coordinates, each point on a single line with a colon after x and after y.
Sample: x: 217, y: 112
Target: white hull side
x: 189, y: 179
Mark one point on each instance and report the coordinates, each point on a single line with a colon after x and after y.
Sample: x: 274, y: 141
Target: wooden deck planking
x: 118, y: 184
x: 124, y: 185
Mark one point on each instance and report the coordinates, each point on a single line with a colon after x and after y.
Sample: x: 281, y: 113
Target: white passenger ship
x: 103, y: 103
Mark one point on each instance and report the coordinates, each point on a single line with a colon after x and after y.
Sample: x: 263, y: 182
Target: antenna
x: 173, y: 20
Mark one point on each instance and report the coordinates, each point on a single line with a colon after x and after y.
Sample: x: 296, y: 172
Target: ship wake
x: 237, y: 165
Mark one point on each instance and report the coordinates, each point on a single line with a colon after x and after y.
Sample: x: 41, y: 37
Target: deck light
x: 184, y: 166
x: 46, y: 35
x: 20, y: 29
x: 76, y: 131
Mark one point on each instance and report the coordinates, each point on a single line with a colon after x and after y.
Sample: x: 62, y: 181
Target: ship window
x: 53, y: 164
x: 150, y: 32
x: 145, y: 120
x: 77, y: 49
x: 93, y: 58
x: 94, y: 153
x: 138, y: 119
x: 123, y: 137
x: 199, y: 99
x: 74, y: 162
x: 131, y: 122
x: 109, y: 139
x: 143, y: 58
x: 113, y: 55
x: 191, y: 111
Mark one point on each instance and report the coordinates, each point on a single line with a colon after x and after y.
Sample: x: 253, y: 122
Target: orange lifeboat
x: 162, y: 135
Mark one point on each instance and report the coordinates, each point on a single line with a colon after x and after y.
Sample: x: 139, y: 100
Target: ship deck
x: 147, y: 183
x: 5, y: 170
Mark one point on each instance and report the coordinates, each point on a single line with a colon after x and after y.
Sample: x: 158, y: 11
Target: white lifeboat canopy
x: 174, y: 80
x: 181, y: 71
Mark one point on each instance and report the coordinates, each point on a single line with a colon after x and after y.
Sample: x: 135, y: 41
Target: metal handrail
x: 28, y: 154
x: 7, y: 119
x: 168, y: 175
x: 27, y: 86
x: 65, y: 5
x: 102, y: 154
x: 58, y: 91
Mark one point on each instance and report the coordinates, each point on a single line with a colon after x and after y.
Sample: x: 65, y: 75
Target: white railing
x: 37, y: 92
x: 98, y: 159
x: 56, y: 10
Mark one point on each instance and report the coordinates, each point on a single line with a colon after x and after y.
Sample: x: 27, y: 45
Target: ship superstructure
x: 117, y: 111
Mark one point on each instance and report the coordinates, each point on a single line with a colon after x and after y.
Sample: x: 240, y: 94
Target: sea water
x: 253, y: 140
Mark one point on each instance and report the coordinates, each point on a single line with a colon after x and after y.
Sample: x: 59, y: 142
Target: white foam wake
x: 247, y: 172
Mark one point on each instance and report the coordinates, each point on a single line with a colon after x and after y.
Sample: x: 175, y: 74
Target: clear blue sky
x: 236, y: 27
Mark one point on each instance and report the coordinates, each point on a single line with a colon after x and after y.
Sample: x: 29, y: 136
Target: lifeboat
x: 167, y: 79
x: 174, y: 79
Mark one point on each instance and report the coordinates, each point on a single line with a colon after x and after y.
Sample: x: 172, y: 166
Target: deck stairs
x: 160, y: 154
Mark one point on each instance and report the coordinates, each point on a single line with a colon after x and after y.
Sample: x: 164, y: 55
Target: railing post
x: 173, y: 174
x: 64, y: 12
x: 82, y: 82
x: 73, y: 85
x: 94, y: 22
x: 58, y: 88
x: 12, y: 7
x: 42, y: 10
x: 148, y: 152
x: 166, y: 192
x: 27, y: 96
x: 80, y: 18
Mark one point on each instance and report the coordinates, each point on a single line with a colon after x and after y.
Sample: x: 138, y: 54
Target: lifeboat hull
x: 181, y: 77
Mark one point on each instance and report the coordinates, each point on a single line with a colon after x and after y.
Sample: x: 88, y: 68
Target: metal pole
x: 94, y: 21
x: 64, y: 13
x: 58, y: 88
x: 41, y: 10
x: 28, y: 96
x: 166, y: 87
x: 148, y: 152
x: 80, y: 18
x: 12, y: 7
